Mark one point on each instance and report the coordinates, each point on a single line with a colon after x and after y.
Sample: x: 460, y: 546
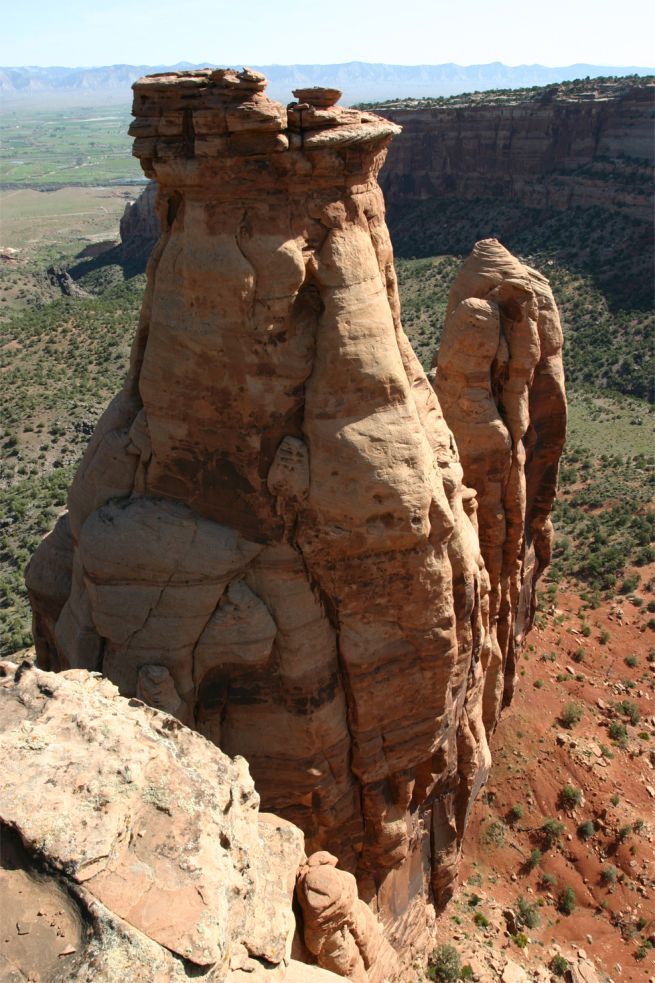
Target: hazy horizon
x: 119, y: 32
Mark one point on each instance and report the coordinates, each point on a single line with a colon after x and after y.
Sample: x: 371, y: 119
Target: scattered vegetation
x: 566, y: 900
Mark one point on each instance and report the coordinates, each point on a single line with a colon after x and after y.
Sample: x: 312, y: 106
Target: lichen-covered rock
x: 141, y: 838
x: 500, y: 383
x: 269, y: 536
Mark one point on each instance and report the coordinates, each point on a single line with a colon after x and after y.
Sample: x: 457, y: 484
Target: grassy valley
x: 52, y: 147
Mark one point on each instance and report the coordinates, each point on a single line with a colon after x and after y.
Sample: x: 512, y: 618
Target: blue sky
x: 549, y: 32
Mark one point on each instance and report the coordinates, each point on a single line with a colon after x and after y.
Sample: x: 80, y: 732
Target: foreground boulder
x: 268, y: 537
x: 129, y: 840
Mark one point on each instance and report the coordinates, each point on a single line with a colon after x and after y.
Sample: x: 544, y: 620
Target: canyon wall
x: 269, y: 537
x: 560, y: 148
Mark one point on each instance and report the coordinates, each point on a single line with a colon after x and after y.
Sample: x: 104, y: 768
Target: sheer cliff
x: 578, y: 144
x: 272, y: 536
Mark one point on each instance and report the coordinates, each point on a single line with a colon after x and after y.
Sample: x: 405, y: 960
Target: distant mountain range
x: 359, y: 81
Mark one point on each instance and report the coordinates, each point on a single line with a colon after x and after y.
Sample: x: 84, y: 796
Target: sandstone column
x: 268, y: 536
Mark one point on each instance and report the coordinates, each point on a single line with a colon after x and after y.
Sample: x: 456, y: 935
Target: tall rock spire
x: 268, y: 536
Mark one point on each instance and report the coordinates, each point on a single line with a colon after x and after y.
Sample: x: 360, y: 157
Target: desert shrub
x: 494, y: 834
x: 571, y: 714
x: 631, y: 661
x: 520, y: 939
x: 481, y: 920
x: 570, y: 797
x: 609, y: 874
x: 515, y: 813
x: 559, y: 965
x: 617, y: 731
x: 586, y: 829
x: 526, y: 913
x: 566, y: 900
x: 630, y: 710
x: 552, y: 831
x: 535, y: 858
x: 444, y: 965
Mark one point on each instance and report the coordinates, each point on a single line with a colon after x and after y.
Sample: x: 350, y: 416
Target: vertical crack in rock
x: 270, y: 536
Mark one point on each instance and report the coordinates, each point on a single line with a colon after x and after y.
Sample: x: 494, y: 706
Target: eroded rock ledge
x: 268, y: 536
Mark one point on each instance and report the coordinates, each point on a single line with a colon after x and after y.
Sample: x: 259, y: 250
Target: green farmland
x: 66, y: 146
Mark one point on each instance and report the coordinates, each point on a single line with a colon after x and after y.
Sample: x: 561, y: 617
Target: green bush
x: 586, y: 829
x: 535, y: 858
x: 609, y: 874
x: 444, y: 965
x: 552, y: 830
x: 566, y: 900
x: 630, y: 710
x: 526, y: 913
x: 570, y: 797
x: 617, y: 731
x: 571, y: 714
x: 559, y: 965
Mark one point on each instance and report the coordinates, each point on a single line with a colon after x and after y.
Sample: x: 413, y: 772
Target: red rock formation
x: 139, y: 226
x: 558, y: 148
x: 268, y: 536
x: 500, y: 382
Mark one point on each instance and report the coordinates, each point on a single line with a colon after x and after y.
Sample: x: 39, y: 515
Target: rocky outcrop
x: 559, y: 148
x: 139, y: 226
x: 500, y: 382
x: 135, y: 846
x: 268, y: 537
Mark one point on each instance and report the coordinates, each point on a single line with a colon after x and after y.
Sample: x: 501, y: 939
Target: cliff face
x: 268, y: 536
x: 139, y: 226
x: 558, y: 150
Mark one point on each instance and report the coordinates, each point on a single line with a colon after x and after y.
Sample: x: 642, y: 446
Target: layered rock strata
x: 500, y: 382
x: 268, y: 536
x: 560, y: 148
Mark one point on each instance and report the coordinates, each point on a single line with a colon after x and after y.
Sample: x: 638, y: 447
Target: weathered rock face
x: 139, y: 226
x: 138, y: 839
x: 268, y: 536
x: 500, y: 383
x: 559, y: 150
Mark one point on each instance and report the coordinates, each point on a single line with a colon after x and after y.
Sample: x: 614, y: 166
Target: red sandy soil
x: 534, y: 756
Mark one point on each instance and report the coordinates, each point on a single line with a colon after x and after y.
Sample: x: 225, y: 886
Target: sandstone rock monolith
x: 268, y: 536
x: 500, y: 382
